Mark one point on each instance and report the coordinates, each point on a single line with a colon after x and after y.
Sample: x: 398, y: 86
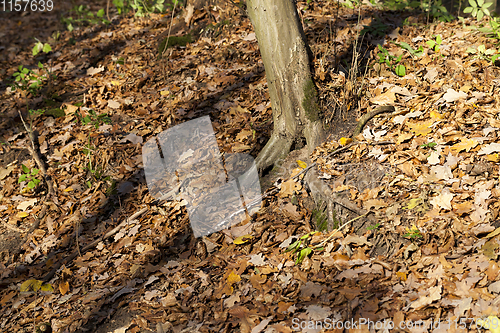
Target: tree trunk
x: 293, y: 94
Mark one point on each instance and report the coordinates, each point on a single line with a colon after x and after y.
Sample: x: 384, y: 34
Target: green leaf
x: 37, y: 48
x: 480, y: 15
x: 303, y: 254
x: 468, y: 10
x: 474, y: 12
x: 34, y: 171
x: 400, y: 70
x: 22, y: 178
x: 495, y: 57
x: 25, y: 168
x: 293, y: 246
x: 473, y: 3
x: 31, y: 185
x: 46, y: 48
x: 480, y: 3
x: 481, y: 48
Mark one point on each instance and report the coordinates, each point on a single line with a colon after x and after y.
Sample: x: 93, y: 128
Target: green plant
x: 478, y: 9
x: 396, y: 4
x: 301, y: 246
x: 435, y: 44
x: 319, y: 216
x: 29, y: 83
x: 92, y: 118
x: 308, y: 3
x: 373, y: 227
x: 122, y: 6
x: 350, y: 3
x: 39, y: 47
x: 412, y: 232
x: 415, y: 53
x: 29, y: 175
x: 376, y: 29
x: 429, y: 145
x: 391, y: 61
x: 482, y: 53
x: 84, y: 16
x: 437, y: 10
x: 27, y: 80
x: 493, y: 31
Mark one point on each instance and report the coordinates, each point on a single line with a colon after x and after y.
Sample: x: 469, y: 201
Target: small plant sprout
x: 429, y: 145
x: 373, y: 227
x: 301, y: 247
x: 412, y: 232
x: 391, y: 61
x: 39, y: 47
x: 29, y: 176
x: 435, y: 44
x: 482, y: 53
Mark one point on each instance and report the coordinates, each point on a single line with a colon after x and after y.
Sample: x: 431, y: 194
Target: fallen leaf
x: 93, y: 71
x: 452, y: 96
x: 464, y: 144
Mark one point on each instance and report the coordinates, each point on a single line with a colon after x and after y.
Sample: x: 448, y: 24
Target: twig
x: 38, y: 159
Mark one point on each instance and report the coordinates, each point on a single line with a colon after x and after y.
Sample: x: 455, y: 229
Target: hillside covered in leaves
x: 85, y: 247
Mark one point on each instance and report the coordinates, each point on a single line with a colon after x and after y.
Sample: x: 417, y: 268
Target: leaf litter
x: 427, y: 175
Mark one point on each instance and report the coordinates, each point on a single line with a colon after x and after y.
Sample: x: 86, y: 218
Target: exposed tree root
x: 275, y: 149
x: 362, y: 122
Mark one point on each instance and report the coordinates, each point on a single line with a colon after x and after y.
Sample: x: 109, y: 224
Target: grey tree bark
x: 284, y: 51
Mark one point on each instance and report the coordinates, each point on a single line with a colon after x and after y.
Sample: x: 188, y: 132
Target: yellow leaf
x: 301, y: 164
x: 493, y: 233
x: 436, y: 115
x: 115, y: 83
x: 422, y: 128
x: 69, y: 189
x: 401, y: 275
x: 47, y: 287
x: 31, y: 284
x: 345, y: 141
x: 164, y: 92
x: 464, y: 144
x: 493, y: 158
x: 22, y: 215
x: 233, y: 278
x: 242, y: 239
x: 413, y: 203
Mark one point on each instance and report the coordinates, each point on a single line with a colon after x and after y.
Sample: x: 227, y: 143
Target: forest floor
x: 417, y: 195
